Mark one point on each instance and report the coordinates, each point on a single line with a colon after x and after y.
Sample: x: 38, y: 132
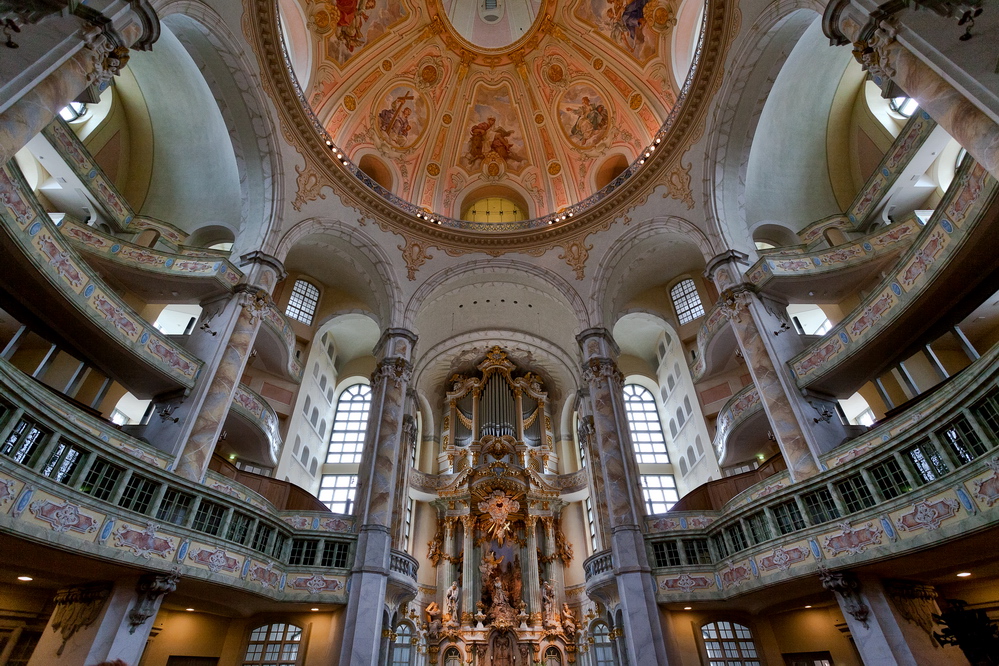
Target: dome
x: 539, y: 108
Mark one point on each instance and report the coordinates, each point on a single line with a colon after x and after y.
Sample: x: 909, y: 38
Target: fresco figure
x: 350, y: 25
x: 478, y: 141
x: 394, y: 121
x: 591, y: 121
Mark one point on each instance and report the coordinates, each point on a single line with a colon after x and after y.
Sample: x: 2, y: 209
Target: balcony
x: 251, y: 429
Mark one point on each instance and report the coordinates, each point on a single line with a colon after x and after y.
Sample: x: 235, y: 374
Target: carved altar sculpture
x: 506, y: 564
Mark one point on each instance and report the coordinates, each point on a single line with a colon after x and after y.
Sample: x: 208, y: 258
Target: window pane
x: 686, y: 301
x: 644, y: 425
x: 303, y: 302
x: 337, y: 492
x: 660, y: 492
x: 349, y: 425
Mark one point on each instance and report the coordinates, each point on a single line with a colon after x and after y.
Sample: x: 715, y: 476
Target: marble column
x: 804, y: 427
x: 595, y: 477
x: 194, y: 459
x: 469, y: 571
x: 532, y: 583
x: 621, y: 500
x: 451, y: 552
x: 891, y: 622
x: 70, y: 66
x: 881, y: 47
x: 375, y: 498
x: 100, y: 622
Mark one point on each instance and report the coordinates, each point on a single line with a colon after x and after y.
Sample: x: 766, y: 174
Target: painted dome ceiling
x: 446, y: 102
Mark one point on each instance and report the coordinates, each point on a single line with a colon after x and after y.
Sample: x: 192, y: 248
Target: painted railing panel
x: 26, y: 222
x: 905, y: 147
x: 255, y: 409
x: 813, y: 233
x: 938, y: 243
x: 274, y: 320
x: 65, y: 517
x: 887, y: 240
x: 90, y: 240
x: 76, y: 155
x: 739, y: 407
x: 957, y: 503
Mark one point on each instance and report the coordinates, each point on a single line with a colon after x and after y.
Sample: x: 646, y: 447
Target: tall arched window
x: 603, y: 651
x: 686, y: 301
x: 644, y: 424
x: 402, y: 646
x: 350, y: 425
x: 729, y: 644
x: 303, y: 302
x: 274, y: 645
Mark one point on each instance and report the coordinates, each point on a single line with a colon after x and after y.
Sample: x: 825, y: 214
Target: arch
x: 209, y: 235
x: 683, y: 466
x: 733, y: 124
x: 236, y: 87
x: 612, y: 166
x: 477, y: 190
x: 615, y: 268
x: 495, y: 266
x: 378, y: 273
x: 495, y: 191
x: 376, y: 169
x: 774, y: 233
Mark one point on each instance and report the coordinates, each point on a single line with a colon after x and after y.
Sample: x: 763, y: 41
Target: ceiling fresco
x: 525, y: 99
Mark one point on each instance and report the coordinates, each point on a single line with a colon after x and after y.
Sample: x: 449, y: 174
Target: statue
x: 568, y: 622
x: 433, y: 619
x: 451, y: 604
x: 502, y: 653
x: 489, y: 564
x: 550, y: 618
x: 499, y: 595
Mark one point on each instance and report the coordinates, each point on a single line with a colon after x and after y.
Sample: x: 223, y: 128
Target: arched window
x: 683, y: 466
x: 686, y: 301
x: 686, y: 405
x: 603, y: 651
x: 644, y: 424
x: 452, y: 657
x: 729, y: 644
x: 274, y: 645
x: 691, y: 456
x: 698, y: 446
x: 322, y: 383
x: 402, y: 646
x: 553, y: 657
x: 903, y: 106
x: 680, y: 418
x: 349, y: 425
x: 303, y: 302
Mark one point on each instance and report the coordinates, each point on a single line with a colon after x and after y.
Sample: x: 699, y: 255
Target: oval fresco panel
x: 401, y: 116
x: 584, y: 115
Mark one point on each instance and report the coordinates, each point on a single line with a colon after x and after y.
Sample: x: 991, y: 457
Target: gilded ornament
x: 554, y: 169
x: 429, y: 74
x: 598, y: 64
x: 556, y: 73
x: 539, y: 118
x: 446, y: 119
x: 635, y: 102
x: 349, y: 103
x: 434, y: 169
x: 386, y: 65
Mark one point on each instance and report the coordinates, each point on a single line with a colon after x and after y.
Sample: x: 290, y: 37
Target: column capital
x: 846, y: 586
x: 602, y: 368
x: 399, y: 342
x: 733, y: 302
x: 150, y: 589
x: 396, y: 369
x: 723, y: 269
x: 265, y: 269
x: 597, y: 341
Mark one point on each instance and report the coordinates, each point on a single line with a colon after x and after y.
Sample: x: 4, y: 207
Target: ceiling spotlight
x: 25, y: 579
x: 339, y: 156
x: 688, y: 608
x: 189, y: 609
x: 651, y: 148
x: 328, y: 142
x: 570, y: 214
x: 807, y: 606
x: 551, y: 221
x: 313, y: 609
x: 964, y: 574
x: 657, y: 141
x: 641, y: 161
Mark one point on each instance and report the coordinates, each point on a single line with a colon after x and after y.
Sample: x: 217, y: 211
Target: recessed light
x: 25, y: 579
x: 963, y: 574
x: 687, y: 607
x: 807, y: 606
x: 314, y: 609
x: 189, y: 609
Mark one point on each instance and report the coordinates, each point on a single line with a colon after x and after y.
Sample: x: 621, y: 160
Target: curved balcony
x: 59, y: 293
x: 83, y: 486
x: 936, y: 282
x: 923, y: 479
x: 716, y: 344
x: 814, y: 233
x: 82, y: 168
x: 600, y: 581
x: 402, y: 582
x: 275, y: 345
x: 252, y: 429
x: 830, y: 275
x: 739, y: 427
x: 153, y: 275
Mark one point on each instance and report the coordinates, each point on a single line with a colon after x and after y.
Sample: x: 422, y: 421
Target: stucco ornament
x: 734, y: 302
x: 499, y: 506
x: 874, y: 54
